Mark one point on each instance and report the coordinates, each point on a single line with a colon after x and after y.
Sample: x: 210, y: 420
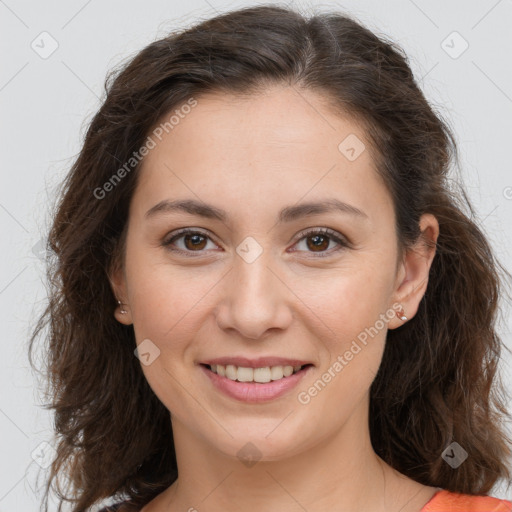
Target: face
x: 259, y: 275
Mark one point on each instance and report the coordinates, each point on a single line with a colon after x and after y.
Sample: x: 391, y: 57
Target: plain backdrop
x: 55, y: 56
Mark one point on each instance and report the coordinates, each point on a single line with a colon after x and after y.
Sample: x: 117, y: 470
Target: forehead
x: 281, y: 144
x: 277, y: 116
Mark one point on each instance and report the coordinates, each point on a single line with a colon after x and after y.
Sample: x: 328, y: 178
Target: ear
x: 117, y: 279
x: 412, y: 276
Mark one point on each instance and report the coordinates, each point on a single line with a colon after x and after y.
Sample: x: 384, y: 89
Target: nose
x: 255, y: 300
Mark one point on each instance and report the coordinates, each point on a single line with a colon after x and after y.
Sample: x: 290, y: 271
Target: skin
x: 252, y: 157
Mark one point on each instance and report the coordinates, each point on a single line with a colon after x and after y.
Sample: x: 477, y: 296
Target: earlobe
x: 122, y: 313
x: 118, y: 286
x: 400, y: 317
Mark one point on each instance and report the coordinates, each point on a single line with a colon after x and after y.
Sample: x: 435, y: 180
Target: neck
x: 342, y: 472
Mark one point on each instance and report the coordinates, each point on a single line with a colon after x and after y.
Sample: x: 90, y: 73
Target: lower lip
x: 254, y: 391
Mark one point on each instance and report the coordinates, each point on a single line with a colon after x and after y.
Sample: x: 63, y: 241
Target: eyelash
x: 333, y: 235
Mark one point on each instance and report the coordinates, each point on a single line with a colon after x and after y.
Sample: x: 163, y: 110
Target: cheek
x: 354, y: 327
x: 163, y: 295
x: 348, y: 299
x: 353, y: 308
x: 166, y: 304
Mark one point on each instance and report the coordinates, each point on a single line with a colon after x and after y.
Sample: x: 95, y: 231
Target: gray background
x: 47, y: 100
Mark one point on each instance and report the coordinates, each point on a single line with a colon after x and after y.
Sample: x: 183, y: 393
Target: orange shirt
x: 446, y: 501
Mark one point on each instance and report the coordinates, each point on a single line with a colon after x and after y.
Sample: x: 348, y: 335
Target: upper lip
x: 260, y: 362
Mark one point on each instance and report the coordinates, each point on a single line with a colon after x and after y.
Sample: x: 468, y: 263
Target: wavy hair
x: 438, y: 381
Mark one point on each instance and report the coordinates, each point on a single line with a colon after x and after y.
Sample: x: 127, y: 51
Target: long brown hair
x: 438, y: 381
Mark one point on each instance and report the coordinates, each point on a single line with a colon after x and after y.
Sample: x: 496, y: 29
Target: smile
x: 255, y: 384
x: 261, y: 375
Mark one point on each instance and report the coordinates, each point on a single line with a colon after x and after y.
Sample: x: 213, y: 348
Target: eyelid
x: 323, y: 230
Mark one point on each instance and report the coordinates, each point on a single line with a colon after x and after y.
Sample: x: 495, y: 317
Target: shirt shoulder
x: 446, y: 501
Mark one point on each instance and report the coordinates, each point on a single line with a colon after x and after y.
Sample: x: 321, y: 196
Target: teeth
x: 261, y: 375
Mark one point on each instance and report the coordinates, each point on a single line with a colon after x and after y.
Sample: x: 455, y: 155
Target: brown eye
x: 318, y: 242
x: 322, y: 242
x: 195, y: 241
x: 188, y: 241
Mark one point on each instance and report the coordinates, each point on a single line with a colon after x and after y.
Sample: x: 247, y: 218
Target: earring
x: 401, y: 315
x: 123, y: 311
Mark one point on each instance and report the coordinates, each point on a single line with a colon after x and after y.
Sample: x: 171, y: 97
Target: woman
x: 265, y: 292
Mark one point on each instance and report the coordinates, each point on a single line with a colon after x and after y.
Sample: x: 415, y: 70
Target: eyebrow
x: 287, y: 214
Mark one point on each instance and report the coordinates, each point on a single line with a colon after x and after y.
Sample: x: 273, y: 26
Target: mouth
x: 258, y: 375
x: 255, y: 384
